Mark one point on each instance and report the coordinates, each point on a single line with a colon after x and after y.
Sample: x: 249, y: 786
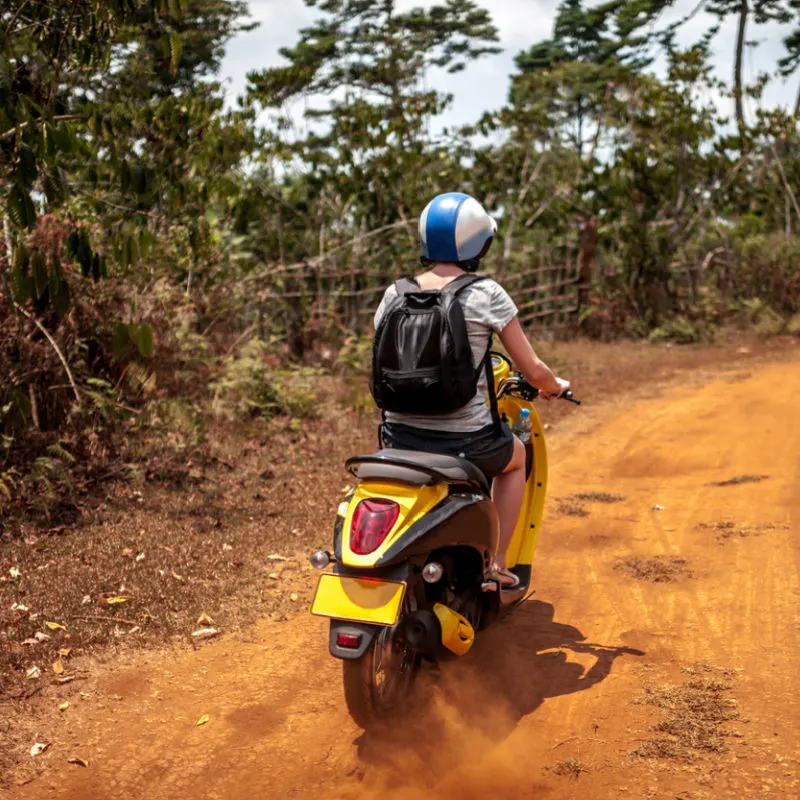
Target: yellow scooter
x: 412, y: 552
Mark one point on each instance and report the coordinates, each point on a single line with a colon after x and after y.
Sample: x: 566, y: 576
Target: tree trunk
x: 588, y: 246
x: 737, y: 69
x: 294, y: 304
x: 5, y: 274
x: 797, y: 104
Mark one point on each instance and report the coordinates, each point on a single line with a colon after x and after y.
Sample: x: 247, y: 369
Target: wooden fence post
x: 586, y: 252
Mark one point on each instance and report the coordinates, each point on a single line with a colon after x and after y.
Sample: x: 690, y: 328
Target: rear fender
x: 415, y: 503
x: 460, y: 520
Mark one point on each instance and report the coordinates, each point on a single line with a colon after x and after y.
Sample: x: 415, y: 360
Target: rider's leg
x: 508, y: 490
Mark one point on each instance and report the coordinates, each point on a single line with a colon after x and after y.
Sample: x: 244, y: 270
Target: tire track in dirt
x: 551, y: 685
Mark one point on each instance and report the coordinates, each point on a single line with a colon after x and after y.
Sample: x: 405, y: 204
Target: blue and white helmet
x: 455, y: 227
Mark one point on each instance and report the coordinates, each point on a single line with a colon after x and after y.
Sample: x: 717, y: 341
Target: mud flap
x: 365, y: 633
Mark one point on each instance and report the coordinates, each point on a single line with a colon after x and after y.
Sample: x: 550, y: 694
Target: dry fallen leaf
x: 64, y: 706
x: 202, y: 720
x: 205, y: 633
x: 120, y: 598
x: 55, y: 626
x: 64, y: 652
x: 32, y: 673
x: 81, y: 762
x: 39, y: 748
x: 204, y: 619
x: 58, y: 667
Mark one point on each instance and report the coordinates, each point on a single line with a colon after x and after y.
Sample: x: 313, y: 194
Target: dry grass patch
x: 597, y: 497
x: 659, y: 569
x: 572, y: 506
x: 693, y: 714
x: 570, y: 767
x: 738, y: 479
x: 727, y: 529
x: 569, y: 508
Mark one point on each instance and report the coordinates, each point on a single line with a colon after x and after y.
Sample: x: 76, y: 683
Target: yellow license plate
x: 358, y: 599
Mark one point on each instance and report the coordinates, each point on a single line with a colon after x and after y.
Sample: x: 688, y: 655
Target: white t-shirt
x: 487, y: 310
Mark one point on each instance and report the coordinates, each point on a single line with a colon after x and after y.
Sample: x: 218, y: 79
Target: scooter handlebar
x: 529, y: 392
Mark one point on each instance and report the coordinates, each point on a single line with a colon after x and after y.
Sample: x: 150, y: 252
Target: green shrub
x: 768, y: 267
x: 677, y: 329
x: 243, y: 387
x: 355, y: 355
x: 247, y: 387
x: 296, y: 391
x: 756, y: 313
x: 182, y: 420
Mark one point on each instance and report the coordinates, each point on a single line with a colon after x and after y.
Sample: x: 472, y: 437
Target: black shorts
x: 484, y: 448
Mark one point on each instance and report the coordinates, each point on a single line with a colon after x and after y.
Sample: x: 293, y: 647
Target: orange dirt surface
x: 554, y: 701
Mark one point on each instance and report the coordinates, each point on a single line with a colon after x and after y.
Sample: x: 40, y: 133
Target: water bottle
x: 522, y: 427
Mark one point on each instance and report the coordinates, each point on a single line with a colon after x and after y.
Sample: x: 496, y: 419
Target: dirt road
x: 658, y: 658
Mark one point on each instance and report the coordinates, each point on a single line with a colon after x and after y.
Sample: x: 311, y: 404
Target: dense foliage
x: 159, y: 243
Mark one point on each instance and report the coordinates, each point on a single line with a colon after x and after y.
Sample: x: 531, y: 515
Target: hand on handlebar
x: 563, y: 383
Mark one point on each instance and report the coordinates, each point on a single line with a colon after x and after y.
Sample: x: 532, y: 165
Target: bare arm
x: 536, y: 372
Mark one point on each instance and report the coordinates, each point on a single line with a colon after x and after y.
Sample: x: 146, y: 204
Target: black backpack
x: 421, y: 356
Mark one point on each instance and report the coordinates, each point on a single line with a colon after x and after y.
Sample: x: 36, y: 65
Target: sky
x: 483, y: 86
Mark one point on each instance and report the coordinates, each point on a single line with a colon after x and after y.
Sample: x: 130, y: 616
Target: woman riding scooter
x: 455, y: 233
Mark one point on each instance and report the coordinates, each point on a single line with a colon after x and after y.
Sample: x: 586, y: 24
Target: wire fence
x: 543, y: 294
x: 341, y: 287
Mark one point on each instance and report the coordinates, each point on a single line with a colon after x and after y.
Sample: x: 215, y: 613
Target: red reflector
x: 371, y: 523
x: 351, y: 640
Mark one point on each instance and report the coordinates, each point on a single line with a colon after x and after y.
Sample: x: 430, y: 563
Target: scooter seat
x: 416, y: 467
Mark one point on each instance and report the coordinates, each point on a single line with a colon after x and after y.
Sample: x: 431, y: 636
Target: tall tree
x: 362, y: 67
x: 106, y: 113
x: 791, y: 61
x: 170, y: 150
x: 46, y: 51
x: 592, y: 45
x: 762, y: 11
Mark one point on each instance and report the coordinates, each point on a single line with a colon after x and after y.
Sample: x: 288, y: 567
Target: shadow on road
x: 476, y: 702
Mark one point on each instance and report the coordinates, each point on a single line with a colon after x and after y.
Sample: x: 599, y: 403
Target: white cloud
x: 484, y: 84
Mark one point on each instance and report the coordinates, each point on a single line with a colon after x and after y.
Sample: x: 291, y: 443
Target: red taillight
x: 371, y: 523
x: 351, y: 640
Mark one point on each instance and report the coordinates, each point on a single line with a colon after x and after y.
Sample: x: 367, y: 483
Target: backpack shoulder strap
x: 462, y: 282
x: 489, y: 368
x: 406, y: 285
x: 456, y: 287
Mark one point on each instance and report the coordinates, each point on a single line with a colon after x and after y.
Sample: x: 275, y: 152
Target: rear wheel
x: 377, y: 685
